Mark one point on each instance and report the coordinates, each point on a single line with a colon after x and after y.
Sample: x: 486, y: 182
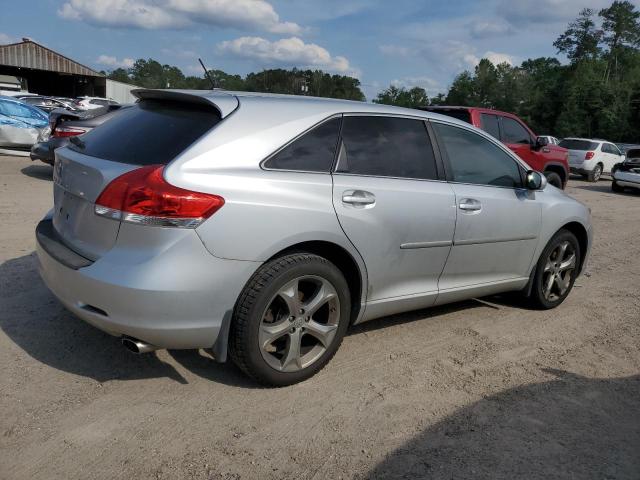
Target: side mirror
x: 535, y: 180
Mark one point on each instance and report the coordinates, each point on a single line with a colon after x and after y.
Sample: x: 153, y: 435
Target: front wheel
x: 556, y: 270
x: 290, y: 319
x: 554, y: 179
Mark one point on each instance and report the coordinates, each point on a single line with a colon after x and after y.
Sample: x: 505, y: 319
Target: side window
x: 313, y: 152
x: 386, y: 147
x: 605, y: 148
x: 489, y: 123
x: 514, y: 132
x: 474, y: 159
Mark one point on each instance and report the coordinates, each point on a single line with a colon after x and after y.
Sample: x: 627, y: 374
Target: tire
x: 595, y: 174
x: 615, y: 187
x: 275, y: 345
x: 551, y: 263
x: 554, y: 179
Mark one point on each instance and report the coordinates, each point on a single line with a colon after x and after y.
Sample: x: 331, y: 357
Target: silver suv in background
x: 266, y: 225
x: 592, y: 158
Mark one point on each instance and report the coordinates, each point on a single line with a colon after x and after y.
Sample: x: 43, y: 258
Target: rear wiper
x: 77, y: 142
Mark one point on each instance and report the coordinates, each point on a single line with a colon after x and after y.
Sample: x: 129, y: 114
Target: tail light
x: 143, y: 196
x: 67, y: 131
x: 589, y: 155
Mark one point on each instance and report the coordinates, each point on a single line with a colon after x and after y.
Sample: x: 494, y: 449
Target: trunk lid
x: 152, y: 132
x: 78, y: 181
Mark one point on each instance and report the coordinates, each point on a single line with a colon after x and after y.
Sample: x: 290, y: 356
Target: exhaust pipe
x: 137, y: 346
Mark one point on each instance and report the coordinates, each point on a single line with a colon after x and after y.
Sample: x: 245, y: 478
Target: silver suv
x: 266, y: 225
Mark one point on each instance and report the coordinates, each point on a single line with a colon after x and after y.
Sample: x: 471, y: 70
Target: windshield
x: 578, y: 144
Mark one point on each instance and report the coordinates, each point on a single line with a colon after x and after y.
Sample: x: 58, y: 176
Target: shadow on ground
x: 35, y: 321
x: 39, y: 172
x: 606, y: 188
x: 570, y: 427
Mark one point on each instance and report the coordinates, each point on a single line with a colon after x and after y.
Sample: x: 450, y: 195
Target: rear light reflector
x: 67, y: 131
x: 143, y: 196
x: 589, y: 155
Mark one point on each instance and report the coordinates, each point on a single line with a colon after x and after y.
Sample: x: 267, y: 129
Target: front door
x: 394, y: 209
x: 498, y: 221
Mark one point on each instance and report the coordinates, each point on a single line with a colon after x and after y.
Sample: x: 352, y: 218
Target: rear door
x: 393, y: 207
x: 498, y: 220
x: 613, y: 156
x: 149, y: 133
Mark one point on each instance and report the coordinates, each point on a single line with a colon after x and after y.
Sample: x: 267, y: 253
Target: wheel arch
x: 583, y: 239
x: 559, y: 169
x: 344, y: 261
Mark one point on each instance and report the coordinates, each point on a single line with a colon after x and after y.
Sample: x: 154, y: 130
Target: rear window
x: 150, y: 132
x: 578, y: 144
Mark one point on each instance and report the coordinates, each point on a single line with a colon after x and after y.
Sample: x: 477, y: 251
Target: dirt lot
x: 480, y: 389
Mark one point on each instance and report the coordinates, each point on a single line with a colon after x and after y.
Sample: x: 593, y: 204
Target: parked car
x: 20, y: 125
x: 537, y: 152
x: 270, y: 224
x: 591, y: 158
x: 47, y: 104
x: 550, y: 139
x: 65, y: 124
x: 88, y: 103
x: 627, y: 174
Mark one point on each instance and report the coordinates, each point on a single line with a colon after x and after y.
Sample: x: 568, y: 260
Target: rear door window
x: 150, y: 132
x: 312, y: 152
x: 386, y: 147
x: 490, y: 124
x: 514, y: 132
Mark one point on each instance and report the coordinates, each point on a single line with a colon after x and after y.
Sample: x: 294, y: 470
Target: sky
x: 381, y: 42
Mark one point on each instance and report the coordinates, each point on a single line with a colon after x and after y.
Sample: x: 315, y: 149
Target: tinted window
x: 474, y: 159
x: 459, y: 113
x: 490, y: 124
x: 578, y: 144
x: 147, y: 133
x: 514, y: 132
x: 387, y: 147
x: 312, y: 152
x: 609, y: 148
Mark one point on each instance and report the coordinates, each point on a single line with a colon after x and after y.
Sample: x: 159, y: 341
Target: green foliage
x: 401, y: 97
x: 151, y: 74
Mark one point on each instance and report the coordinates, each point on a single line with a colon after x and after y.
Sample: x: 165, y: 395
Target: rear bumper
x: 45, y: 151
x: 177, y: 296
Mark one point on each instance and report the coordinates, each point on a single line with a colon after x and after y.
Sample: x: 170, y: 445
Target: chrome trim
x: 492, y: 240
x: 412, y: 245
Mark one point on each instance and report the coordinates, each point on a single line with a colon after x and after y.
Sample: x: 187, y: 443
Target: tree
x: 119, y: 75
x: 620, y: 25
x: 401, y: 97
x: 581, y: 39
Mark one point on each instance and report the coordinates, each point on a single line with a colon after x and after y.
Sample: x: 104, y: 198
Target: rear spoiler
x: 224, y: 102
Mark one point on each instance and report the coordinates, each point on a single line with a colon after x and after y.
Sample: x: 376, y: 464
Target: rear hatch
x: 578, y: 149
x: 152, y: 132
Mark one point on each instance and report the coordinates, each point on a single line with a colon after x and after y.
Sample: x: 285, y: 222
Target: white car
x: 591, y: 158
x: 550, y: 139
x: 89, y: 103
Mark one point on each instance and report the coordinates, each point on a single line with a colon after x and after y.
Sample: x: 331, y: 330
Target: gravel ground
x: 479, y: 389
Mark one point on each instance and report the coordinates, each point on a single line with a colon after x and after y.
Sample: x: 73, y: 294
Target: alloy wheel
x: 299, y: 323
x: 558, y: 271
x: 597, y: 173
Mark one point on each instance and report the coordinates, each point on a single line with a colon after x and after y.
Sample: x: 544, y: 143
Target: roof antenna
x: 206, y: 72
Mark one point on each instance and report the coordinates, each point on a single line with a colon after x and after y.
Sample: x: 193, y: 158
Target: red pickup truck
x: 542, y: 156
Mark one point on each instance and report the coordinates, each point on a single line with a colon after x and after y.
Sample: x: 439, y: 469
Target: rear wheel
x: 554, y: 179
x: 556, y: 270
x: 595, y: 174
x: 290, y: 319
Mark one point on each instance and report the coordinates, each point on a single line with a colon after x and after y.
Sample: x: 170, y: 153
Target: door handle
x: 470, y: 205
x: 358, y: 198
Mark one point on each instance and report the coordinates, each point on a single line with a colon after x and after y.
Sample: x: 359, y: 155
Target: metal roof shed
x: 47, y: 72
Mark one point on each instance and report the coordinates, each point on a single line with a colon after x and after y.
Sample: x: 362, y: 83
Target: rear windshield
x: 150, y: 132
x: 459, y: 113
x: 578, y: 144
